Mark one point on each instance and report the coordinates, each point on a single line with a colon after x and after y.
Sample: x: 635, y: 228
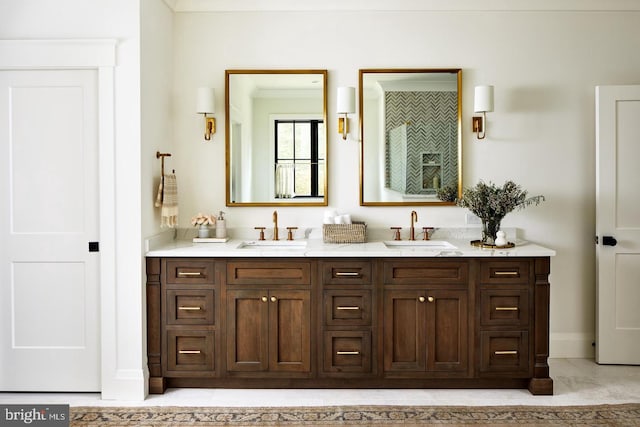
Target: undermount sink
x: 419, y: 244
x: 273, y: 244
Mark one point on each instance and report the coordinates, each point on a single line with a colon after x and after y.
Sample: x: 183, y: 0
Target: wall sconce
x: 206, y: 104
x: 346, y: 105
x: 482, y: 103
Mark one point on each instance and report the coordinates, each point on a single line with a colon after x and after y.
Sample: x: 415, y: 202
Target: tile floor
x: 576, y: 382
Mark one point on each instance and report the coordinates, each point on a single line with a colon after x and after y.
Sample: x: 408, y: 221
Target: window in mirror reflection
x: 299, y: 158
x: 276, y: 136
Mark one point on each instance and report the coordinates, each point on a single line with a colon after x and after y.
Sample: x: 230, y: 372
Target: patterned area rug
x: 626, y: 415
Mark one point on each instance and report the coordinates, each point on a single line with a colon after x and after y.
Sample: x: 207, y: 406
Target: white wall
x: 544, y: 66
x: 156, y: 70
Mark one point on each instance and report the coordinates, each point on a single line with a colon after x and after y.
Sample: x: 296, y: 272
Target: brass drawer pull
x: 346, y: 274
x: 347, y: 308
x: 189, y: 274
x: 348, y: 353
x: 502, y: 352
x: 507, y: 309
x: 506, y: 273
x: 190, y: 308
x: 189, y: 351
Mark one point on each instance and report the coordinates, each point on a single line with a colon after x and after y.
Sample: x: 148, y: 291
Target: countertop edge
x: 318, y: 249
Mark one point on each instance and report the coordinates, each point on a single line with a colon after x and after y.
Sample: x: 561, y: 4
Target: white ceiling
x: 401, y: 5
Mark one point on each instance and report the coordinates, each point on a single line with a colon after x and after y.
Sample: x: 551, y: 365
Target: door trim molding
x: 100, y: 55
x: 79, y: 53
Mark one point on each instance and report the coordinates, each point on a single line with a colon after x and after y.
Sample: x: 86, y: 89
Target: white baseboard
x: 571, y: 345
x: 128, y: 384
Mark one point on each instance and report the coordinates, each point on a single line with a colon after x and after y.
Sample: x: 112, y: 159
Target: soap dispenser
x: 221, y: 226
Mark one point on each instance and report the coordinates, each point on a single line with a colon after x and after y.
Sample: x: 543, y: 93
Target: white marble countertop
x: 455, y: 245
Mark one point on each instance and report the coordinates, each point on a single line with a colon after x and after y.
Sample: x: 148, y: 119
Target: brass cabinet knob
x: 264, y: 299
x: 274, y: 299
x: 421, y: 299
x: 431, y: 299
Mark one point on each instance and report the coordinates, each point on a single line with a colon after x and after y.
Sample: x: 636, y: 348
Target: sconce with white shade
x: 346, y: 105
x: 482, y: 103
x: 206, y: 104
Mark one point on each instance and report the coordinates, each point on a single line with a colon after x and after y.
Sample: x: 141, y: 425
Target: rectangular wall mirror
x: 411, y: 149
x: 276, y: 137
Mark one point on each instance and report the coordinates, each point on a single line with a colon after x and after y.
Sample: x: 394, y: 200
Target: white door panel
x: 49, y: 327
x: 618, y: 216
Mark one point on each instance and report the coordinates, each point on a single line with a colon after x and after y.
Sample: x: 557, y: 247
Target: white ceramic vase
x: 203, y: 231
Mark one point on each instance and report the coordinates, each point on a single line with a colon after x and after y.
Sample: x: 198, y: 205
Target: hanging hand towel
x: 169, y: 212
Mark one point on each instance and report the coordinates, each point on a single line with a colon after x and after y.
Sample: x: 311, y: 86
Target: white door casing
x: 98, y: 55
x: 617, y: 224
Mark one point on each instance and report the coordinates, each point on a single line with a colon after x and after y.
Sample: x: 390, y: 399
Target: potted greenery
x: 491, y: 203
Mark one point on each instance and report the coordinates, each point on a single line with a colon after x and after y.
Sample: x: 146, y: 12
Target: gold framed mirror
x: 276, y: 137
x: 410, y: 125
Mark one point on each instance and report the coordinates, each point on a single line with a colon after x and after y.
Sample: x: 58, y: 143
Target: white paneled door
x: 618, y: 224
x: 49, y: 280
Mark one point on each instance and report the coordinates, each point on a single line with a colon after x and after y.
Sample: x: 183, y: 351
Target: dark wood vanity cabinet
x: 374, y: 322
x: 268, y: 331
x: 183, y: 311
x: 426, y: 318
x: 426, y: 333
x: 347, y: 320
x: 268, y: 312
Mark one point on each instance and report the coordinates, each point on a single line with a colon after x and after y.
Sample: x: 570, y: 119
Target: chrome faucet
x: 412, y: 231
x: 275, y: 226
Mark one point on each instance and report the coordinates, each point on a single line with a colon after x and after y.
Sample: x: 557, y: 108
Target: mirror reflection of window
x: 276, y: 137
x: 299, y: 158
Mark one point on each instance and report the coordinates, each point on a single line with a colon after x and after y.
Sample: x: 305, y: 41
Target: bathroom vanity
x: 357, y: 316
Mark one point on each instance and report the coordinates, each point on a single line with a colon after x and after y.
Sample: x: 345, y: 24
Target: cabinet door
x: 447, y: 331
x: 405, y: 331
x: 289, y: 331
x: 247, y: 330
x: 426, y: 331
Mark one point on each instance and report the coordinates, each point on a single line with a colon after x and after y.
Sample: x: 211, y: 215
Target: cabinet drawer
x: 347, y: 308
x: 426, y: 272
x: 190, y: 307
x: 511, y: 271
x: 504, y: 307
x: 268, y: 273
x: 347, y: 351
x: 346, y: 273
x: 504, y: 352
x: 195, y: 272
x: 190, y: 351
